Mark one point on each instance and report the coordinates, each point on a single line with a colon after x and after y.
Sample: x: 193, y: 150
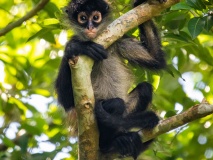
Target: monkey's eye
x: 82, y: 18
x: 96, y: 17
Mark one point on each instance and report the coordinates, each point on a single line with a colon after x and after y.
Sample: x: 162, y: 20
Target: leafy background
x: 33, y: 126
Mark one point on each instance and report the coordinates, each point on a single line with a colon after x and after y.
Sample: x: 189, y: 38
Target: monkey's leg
x: 139, y: 98
x: 114, y: 106
x: 109, y: 112
x: 130, y: 144
x: 113, y: 128
x: 109, y: 115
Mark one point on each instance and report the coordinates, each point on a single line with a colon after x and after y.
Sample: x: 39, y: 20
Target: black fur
x: 114, y: 125
x: 116, y: 111
x: 76, y: 6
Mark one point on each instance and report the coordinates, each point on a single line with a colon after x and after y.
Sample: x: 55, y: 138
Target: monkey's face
x: 89, y: 22
x: 88, y: 17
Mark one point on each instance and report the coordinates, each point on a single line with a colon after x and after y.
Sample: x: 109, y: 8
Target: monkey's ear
x: 107, y: 7
x: 65, y: 10
x: 108, y: 3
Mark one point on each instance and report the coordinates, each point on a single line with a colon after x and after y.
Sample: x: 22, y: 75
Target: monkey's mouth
x: 91, y: 33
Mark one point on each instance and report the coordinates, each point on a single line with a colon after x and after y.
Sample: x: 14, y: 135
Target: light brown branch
x: 29, y: 15
x: 81, y: 68
x: 130, y: 20
x: 195, y: 112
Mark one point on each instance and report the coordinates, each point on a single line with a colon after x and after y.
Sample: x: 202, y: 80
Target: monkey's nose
x: 90, y: 26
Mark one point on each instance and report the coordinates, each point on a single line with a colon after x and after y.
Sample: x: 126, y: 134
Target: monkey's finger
x: 94, y: 54
x: 100, y: 49
x: 128, y: 146
x: 103, y: 53
x: 120, y: 146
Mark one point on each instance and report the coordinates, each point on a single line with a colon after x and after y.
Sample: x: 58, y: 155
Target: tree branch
x: 131, y: 20
x: 81, y: 68
x: 29, y: 15
x: 195, y: 112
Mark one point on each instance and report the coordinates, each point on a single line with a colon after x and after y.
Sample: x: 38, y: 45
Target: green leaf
x: 44, y: 33
x: 39, y: 156
x: 51, y: 9
x: 23, y: 142
x: 170, y: 113
x: 21, y: 106
x: 196, y: 4
x: 195, y: 26
x: 173, y: 71
x: 32, y: 129
x: 182, y: 37
x: 39, y: 33
x: 176, y: 19
x: 51, y: 21
x: 181, y: 5
x: 7, y: 142
x: 209, y: 22
x: 49, y: 36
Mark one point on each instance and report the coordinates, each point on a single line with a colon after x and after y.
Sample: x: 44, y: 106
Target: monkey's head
x: 87, y: 16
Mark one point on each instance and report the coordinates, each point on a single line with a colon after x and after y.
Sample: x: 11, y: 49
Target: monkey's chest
x: 111, y: 79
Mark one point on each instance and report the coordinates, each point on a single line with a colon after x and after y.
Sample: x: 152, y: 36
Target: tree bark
x: 81, y: 68
x: 195, y: 112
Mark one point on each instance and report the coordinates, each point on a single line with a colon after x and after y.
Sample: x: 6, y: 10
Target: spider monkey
x: 117, y: 112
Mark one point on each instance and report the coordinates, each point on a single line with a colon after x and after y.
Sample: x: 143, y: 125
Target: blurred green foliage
x: 33, y: 126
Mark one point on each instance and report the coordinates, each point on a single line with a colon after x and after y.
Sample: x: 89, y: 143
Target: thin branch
x: 29, y: 15
x: 195, y: 112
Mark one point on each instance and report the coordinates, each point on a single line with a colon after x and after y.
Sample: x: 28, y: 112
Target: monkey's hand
x: 76, y: 47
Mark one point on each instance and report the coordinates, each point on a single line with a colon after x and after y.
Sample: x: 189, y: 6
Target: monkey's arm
x: 63, y: 84
x: 137, y: 53
x: 76, y: 47
x: 148, y: 52
x: 143, y: 120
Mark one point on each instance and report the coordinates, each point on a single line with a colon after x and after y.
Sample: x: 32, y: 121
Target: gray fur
x: 111, y: 80
x: 132, y: 49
